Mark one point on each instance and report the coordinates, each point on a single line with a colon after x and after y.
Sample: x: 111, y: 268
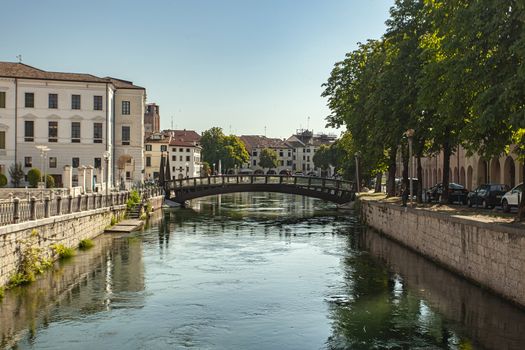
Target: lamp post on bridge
x: 43, y: 154
x: 106, y: 156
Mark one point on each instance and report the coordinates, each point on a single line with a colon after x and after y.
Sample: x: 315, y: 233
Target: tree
x: 230, y: 150
x: 268, y: 158
x: 3, y: 180
x: 322, y: 158
x: 50, y: 181
x: 16, y: 173
x: 33, y: 177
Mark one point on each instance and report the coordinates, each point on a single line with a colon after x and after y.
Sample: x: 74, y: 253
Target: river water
x: 254, y: 271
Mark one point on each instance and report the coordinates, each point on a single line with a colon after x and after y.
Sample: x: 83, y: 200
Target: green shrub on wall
x: 33, y: 176
x: 50, y: 181
x: 3, y: 180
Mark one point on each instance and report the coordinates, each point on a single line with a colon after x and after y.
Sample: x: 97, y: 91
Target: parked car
x: 512, y: 198
x: 487, y: 195
x: 456, y: 193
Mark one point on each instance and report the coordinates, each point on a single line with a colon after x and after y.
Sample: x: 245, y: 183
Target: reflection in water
x: 255, y: 271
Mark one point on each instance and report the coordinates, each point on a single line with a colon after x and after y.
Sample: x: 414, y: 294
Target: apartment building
x: 78, y: 117
x: 155, y: 146
x: 256, y: 143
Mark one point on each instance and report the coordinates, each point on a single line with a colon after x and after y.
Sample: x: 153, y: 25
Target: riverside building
x: 79, y: 117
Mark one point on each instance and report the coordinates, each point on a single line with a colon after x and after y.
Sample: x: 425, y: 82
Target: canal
x: 254, y: 271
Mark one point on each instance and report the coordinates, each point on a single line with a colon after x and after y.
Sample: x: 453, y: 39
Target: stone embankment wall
x: 66, y: 229
x: 491, y: 255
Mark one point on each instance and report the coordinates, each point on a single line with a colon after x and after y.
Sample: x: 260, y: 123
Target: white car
x: 512, y: 198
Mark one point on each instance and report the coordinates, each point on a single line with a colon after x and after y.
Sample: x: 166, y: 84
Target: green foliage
x: 50, y: 181
x: 3, y: 180
x: 113, y: 221
x: 34, y: 176
x: 85, y: 244
x: 1, y: 293
x: 149, y: 207
x: 268, y: 158
x: 230, y: 150
x: 143, y: 216
x: 206, y: 169
x: 16, y: 173
x: 31, y: 261
x: 134, y: 199
x: 62, y: 251
x: 322, y: 157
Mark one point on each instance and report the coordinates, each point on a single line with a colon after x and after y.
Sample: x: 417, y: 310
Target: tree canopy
x: 451, y: 70
x: 268, y: 158
x: 230, y: 150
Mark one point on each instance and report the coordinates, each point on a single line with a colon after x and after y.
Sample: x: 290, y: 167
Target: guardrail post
x: 32, y: 208
x: 59, y: 205
x: 281, y: 179
x: 295, y: 180
x: 222, y: 179
x: 94, y: 201
x: 251, y: 179
x: 79, y: 203
x: 266, y: 179
x: 309, y: 182
x: 16, y: 210
x: 69, y: 204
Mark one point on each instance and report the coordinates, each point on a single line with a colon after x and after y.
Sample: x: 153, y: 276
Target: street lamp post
x: 43, y: 154
x: 410, y: 135
x: 107, y: 155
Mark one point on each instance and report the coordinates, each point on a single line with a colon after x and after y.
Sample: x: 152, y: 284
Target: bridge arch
x: 337, y: 191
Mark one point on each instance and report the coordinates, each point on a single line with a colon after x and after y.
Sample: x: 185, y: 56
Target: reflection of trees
x: 373, y: 309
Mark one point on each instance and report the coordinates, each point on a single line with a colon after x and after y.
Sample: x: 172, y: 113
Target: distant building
x: 185, y: 153
x: 256, y: 143
x: 77, y: 116
x: 305, y: 144
x: 151, y: 119
x: 154, y: 146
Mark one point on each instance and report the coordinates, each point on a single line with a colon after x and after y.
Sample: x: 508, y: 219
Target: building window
x: 52, y: 131
x: 97, y: 103
x: 52, y: 162
x: 29, y: 131
x: 128, y: 175
x: 254, y: 162
x: 75, y: 162
x: 53, y: 101
x: 97, y: 133
x: 187, y: 158
x: 2, y: 99
x: 180, y: 158
x: 163, y: 148
x: 97, y: 163
x: 174, y: 150
x: 148, y: 161
x: 126, y: 108
x: 75, y: 101
x: 174, y: 158
x: 75, y: 132
x: 125, y: 135
x: 28, y: 162
x: 188, y: 150
x: 307, y: 150
x: 254, y: 153
x: 2, y: 140
x: 181, y: 149
x: 281, y: 154
x: 148, y: 148
x: 29, y: 100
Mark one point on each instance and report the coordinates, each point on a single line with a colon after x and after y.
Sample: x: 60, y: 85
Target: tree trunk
x: 447, y: 151
x: 419, y: 190
x: 379, y: 178
x: 391, y: 180
x: 521, y: 206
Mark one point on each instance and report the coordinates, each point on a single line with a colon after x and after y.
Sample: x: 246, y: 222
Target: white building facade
x: 78, y: 117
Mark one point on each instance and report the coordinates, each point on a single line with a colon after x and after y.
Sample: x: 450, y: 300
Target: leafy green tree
x: 268, y: 158
x: 50, y: 181
x: 322, y: 157
x: 33, y: 177
x: 230, y: 150
x: 16, y: 173
x: 3, y: 180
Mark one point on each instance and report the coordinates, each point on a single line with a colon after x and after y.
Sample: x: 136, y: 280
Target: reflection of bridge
x: 337, y: 191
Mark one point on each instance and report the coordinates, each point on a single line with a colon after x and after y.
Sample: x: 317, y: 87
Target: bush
x: 85, y: 244
x: 50, y: 181
x: 134, y: 199
x: 33, y: 176
x: 62, y: 251
x: 3, y: 180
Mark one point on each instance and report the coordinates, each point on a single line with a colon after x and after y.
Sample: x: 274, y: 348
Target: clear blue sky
x: 238, y: 64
